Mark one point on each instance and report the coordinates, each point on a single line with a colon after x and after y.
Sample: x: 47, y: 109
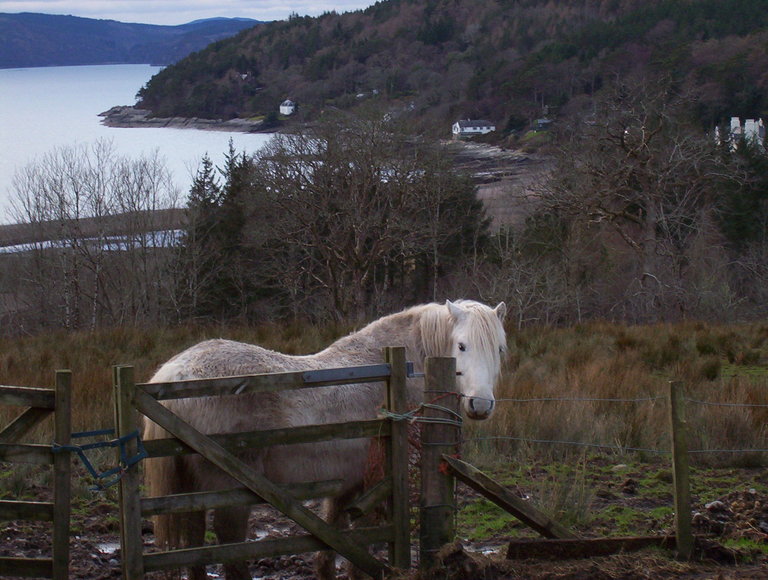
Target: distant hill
x: 31, y: 40
x: 508, y: 62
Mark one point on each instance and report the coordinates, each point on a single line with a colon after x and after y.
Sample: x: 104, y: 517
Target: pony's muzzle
x: 478, y: 408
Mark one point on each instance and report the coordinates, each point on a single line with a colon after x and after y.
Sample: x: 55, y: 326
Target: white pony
x: 471, y: 332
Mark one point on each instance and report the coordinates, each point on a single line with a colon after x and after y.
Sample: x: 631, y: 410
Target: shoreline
x: 124, y: 116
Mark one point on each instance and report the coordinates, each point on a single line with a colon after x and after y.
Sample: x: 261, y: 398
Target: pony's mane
x: 436, y: 327
x: 434, y: 330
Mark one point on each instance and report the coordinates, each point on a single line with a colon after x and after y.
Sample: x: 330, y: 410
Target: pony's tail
x: 165, y: 476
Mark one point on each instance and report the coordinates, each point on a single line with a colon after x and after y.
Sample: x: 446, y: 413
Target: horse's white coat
x: 467, y: 330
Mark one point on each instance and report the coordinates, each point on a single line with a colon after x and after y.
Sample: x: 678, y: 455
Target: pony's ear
x: 457, y: 312
x: 501, y: 310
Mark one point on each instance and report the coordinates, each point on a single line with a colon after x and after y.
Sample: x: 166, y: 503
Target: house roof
x: 475, y: 123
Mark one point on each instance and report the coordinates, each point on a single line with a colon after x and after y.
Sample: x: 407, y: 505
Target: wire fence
x: 614, y: 447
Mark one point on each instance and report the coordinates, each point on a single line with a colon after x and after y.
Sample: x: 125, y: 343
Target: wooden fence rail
x: 40, y: 404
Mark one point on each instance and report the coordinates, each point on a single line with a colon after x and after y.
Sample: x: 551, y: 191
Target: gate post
x: 400, y: 549
x: 62, y: 471
x: 440, y: 434
x: 131, y: 545
x: 680, y: 471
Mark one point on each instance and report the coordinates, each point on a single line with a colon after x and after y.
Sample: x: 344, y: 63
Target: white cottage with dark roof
x: 287, y: 107
x: 470, y: 127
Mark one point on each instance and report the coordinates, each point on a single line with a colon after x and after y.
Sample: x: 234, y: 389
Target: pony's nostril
x: 479, y: 408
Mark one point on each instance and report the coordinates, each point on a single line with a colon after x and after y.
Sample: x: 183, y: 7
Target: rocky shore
x: 131, y: 117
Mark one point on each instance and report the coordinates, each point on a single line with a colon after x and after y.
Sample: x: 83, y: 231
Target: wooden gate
x: 217, y: 449
x: 40, y: 404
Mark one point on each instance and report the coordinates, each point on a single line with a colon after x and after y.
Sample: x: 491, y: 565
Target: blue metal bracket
x: 109, y: 477
x: 410, y: 372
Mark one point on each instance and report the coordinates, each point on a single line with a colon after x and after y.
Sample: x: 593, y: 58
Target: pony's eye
x: 462, y: 347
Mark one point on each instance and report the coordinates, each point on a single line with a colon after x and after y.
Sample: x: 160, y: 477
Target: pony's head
x: 474, y: 335
x: 478, y: 344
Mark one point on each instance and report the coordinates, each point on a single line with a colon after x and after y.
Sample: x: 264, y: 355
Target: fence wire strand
x: 720, y: 404
x: 610, y: 400
x: 577, y: 399
x: 556, y: 442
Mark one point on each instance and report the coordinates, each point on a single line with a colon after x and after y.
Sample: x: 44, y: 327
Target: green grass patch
x: 482, y: 519
x: 623, y: 520
x: 746, y: 548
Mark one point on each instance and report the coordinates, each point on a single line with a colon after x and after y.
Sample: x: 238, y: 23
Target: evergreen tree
x: 200, y: 246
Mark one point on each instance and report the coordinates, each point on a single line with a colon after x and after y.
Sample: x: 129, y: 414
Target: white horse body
x: 468, y: 330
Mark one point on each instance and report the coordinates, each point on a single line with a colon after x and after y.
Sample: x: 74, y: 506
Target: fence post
x: 62, y: 472
x: 400, y: 549
x: 131, y: 545
x: 437, y: 507
x: 680, y: 471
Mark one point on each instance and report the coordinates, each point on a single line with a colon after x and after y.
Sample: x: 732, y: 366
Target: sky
x: 170, y: 12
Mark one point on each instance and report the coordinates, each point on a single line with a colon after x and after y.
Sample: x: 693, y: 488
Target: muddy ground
x: 733, y: 528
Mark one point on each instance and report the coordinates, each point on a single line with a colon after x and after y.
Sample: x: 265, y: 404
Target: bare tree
x: 352, y: 207
x: 638, y: 171
x: 94, y: 240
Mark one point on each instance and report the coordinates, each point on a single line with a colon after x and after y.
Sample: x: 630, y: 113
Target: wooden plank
x: 264, y: 383
x: 41, y: 511
x: 23, y: 424
x: 499, y: 495
x: 268, y: 438
x: 268, y: 548
x: 568, y: 548
x: 206, y: 500
x: 131, y: 545
x: 259, y: 484
x: 397, y: 402
x: 27, y: 397
x: 26, y: 453
x: 364, y: 504
x: 437, y: 507
x: 62, y: 471
x: 680, y: 471
x: 26, y: 567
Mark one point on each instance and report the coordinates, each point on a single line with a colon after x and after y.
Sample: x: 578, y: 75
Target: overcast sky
x: 181, y: 11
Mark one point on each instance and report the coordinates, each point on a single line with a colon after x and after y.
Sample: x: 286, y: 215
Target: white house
x: 753, y: 130
x: 470, y: 127
x: 288, y: 107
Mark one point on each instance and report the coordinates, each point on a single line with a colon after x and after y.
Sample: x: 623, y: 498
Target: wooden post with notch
x: 680, y: 471
x: 131, y: 545
x: 437, y: 506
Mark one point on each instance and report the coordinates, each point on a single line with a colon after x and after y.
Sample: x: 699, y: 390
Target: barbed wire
x: 720, y: 404
x: 552, y: 399
x: 557, y: 442
x: 605, y: 446
x: 576, y: 399
x: 599, y: 400
x: 699, y: 451
x: 581, y: 443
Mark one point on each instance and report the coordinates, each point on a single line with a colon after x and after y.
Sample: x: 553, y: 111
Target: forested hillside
x: 640, y: 216
x: 439, y: 60
x: 29, y: 39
